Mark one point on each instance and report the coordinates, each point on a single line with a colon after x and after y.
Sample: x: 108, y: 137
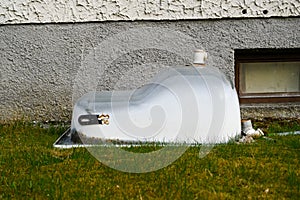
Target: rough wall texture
x: 47, y: 11
x: 39, y: 63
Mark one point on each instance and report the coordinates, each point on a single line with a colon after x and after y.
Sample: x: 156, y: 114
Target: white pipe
x: 200, y: 57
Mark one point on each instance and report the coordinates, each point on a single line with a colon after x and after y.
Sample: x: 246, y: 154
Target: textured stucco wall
x: 39, y: 63
x: 47, y: 11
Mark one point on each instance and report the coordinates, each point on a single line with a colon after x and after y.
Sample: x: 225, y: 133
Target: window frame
x: 260, y: 56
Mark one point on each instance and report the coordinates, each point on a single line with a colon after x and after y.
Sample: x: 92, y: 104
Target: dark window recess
x: 267, y: 75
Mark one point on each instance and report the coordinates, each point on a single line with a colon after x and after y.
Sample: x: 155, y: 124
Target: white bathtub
x: 180, y: 105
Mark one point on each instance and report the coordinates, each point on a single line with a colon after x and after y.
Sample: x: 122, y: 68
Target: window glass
x: 270, y: 77
x: 267, y: 75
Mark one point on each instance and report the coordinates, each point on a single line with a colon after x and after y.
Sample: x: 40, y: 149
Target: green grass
x: 270, y: 127
x: 32, y: 169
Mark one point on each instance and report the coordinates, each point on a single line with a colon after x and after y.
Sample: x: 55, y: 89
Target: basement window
x: 267, y: 75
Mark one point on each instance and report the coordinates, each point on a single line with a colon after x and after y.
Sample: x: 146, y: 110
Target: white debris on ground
x: 249, y: 133
x: 254, y: 133
x: 246, y: 139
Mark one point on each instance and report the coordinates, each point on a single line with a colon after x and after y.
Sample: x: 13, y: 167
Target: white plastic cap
x: 199, y: 57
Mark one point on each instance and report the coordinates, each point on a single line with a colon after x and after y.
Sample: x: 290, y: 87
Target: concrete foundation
x: 40, y: 63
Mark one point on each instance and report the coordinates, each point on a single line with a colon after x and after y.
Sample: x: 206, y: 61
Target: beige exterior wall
x: 50, y: 11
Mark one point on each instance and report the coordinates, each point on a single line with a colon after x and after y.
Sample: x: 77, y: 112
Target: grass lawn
x: 32, y: 169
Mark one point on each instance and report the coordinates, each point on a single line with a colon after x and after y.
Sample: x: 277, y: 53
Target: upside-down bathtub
x: 180, y: 105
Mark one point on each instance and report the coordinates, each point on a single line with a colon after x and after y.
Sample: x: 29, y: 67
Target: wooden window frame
x: 259, y: 56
